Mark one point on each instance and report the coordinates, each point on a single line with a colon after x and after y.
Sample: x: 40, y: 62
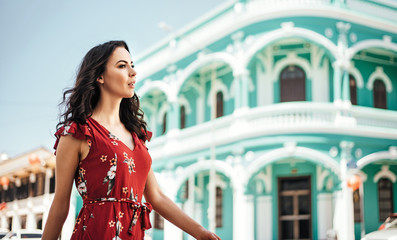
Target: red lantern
x: 4, y: 181
x: 3, y: 205
x: 34, y: 159
x: 354, y: 182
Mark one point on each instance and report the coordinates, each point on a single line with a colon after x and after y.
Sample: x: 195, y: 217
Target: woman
x: 101, y: 145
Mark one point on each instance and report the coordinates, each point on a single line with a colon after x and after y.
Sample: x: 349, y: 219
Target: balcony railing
x: 278, y: 119
x: 378, y: 8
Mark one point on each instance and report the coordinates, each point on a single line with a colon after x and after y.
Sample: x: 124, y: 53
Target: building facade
x: 263, y: 111
x: 27, y: 186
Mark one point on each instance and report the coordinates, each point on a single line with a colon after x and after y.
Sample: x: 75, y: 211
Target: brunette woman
x: 101, y: 147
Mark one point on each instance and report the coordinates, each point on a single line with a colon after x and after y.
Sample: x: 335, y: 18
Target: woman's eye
x: 132, y: 66
x: 122, y: 66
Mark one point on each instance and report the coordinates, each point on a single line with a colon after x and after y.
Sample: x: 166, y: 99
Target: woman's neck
x: 107, y: 111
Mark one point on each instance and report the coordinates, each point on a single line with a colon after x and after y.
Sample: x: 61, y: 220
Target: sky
x: 44, y: 41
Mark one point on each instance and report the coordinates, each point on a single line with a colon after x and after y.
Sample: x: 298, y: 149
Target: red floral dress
x: 111, y: 181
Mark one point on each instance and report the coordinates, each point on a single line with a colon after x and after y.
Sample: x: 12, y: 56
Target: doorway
x: 294, y: 212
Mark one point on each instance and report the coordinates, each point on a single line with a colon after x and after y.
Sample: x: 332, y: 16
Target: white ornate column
x: 16, y: 222
x: 344, y: 211
x: 264, y: 217
x: 264, y: 82
x: 324, y: 214
x: 30, y: 216
x: 243, y: 209
x: 264, y: 223
x: 171, y: 232
x: 3, y: 221
x: 341, y: 65
x: 173, y: 117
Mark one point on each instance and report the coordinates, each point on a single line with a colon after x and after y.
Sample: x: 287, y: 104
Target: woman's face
x: 119, y: 77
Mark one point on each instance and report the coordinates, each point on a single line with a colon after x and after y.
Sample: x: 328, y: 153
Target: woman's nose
x: 132, y: 72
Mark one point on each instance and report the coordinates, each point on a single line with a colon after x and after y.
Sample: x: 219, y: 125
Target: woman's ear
x: 100, y: 79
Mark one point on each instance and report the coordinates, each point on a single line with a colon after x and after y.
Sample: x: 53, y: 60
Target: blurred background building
x: 277, y: 119
x: 271, y: 120
x: 27, y: 186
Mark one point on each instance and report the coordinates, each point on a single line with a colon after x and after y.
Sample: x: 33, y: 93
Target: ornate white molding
x: 385, y: 173
x: 301, y: 152
x: 391, y: 154
x: 357, y: 75
x: 381, y: 75
x: 321, y: 177
x: 266, y: 178
x: 291, y: 59
x: 218, y: 86
x: 205, y: 165
x: 272, y: 36
x: 371, y: 43
x: 205, y: 60
x: 184, y: 102
x: 158, y: 85
x: 163, y: 109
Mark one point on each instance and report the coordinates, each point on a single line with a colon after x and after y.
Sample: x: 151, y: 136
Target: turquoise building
x: 263, y: 111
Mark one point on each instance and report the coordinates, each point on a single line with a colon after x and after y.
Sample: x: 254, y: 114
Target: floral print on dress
x: 111, y: 175
x: 119, y: 228
x: 132, y: 198
x: 66, y: 128
x: 131, y: 164
x: 111, y: 189
x: 111, y: 136
x: 82, y: 186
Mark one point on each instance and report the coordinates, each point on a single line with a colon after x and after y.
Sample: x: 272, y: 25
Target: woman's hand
x: 207, y: 235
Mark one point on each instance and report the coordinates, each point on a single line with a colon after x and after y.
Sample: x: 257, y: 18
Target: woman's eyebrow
x: 124, y: 61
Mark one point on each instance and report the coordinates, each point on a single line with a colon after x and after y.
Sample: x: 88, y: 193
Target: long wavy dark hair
x: 80, y: 100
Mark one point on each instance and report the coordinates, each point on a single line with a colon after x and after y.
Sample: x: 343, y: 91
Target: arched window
x: 379, y: 91
x: 385, y: 198
x: 183, y: 116
x: 353, y: 89
x: 219, y: 104
x: 164, y: 123
x: 219, y: 207
x: 292, y: 84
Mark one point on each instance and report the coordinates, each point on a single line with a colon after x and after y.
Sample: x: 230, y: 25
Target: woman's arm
x: 170, y: 211
x: 67, y: 159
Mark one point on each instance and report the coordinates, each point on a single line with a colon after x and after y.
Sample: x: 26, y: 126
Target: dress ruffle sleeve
x: 147, y: 135
x: 78, y: 131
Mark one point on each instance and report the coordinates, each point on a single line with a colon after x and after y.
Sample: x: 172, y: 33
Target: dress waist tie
x: 141, y: 211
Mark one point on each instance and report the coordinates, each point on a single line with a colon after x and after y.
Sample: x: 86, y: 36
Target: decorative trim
x: 184, y: 102
x: 321, y: 176
x: 302, y: 152
x: 157, y: 85
x: 266, y: 178
x: 272, y: 36
x: 204, y: 165
x: 204, y: 60
x: 163, y: 109
x: 373, y: 157
x: 357, y: 75
x: 381, y: 75
x: 218, y: 86
x: 371, y: 43
x: 291, y: 59
x: 385, y: 173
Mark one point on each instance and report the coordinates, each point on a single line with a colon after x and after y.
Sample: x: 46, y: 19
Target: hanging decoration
x: 4, y: 182
x: 354, y: 182
x: 34, y: 159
